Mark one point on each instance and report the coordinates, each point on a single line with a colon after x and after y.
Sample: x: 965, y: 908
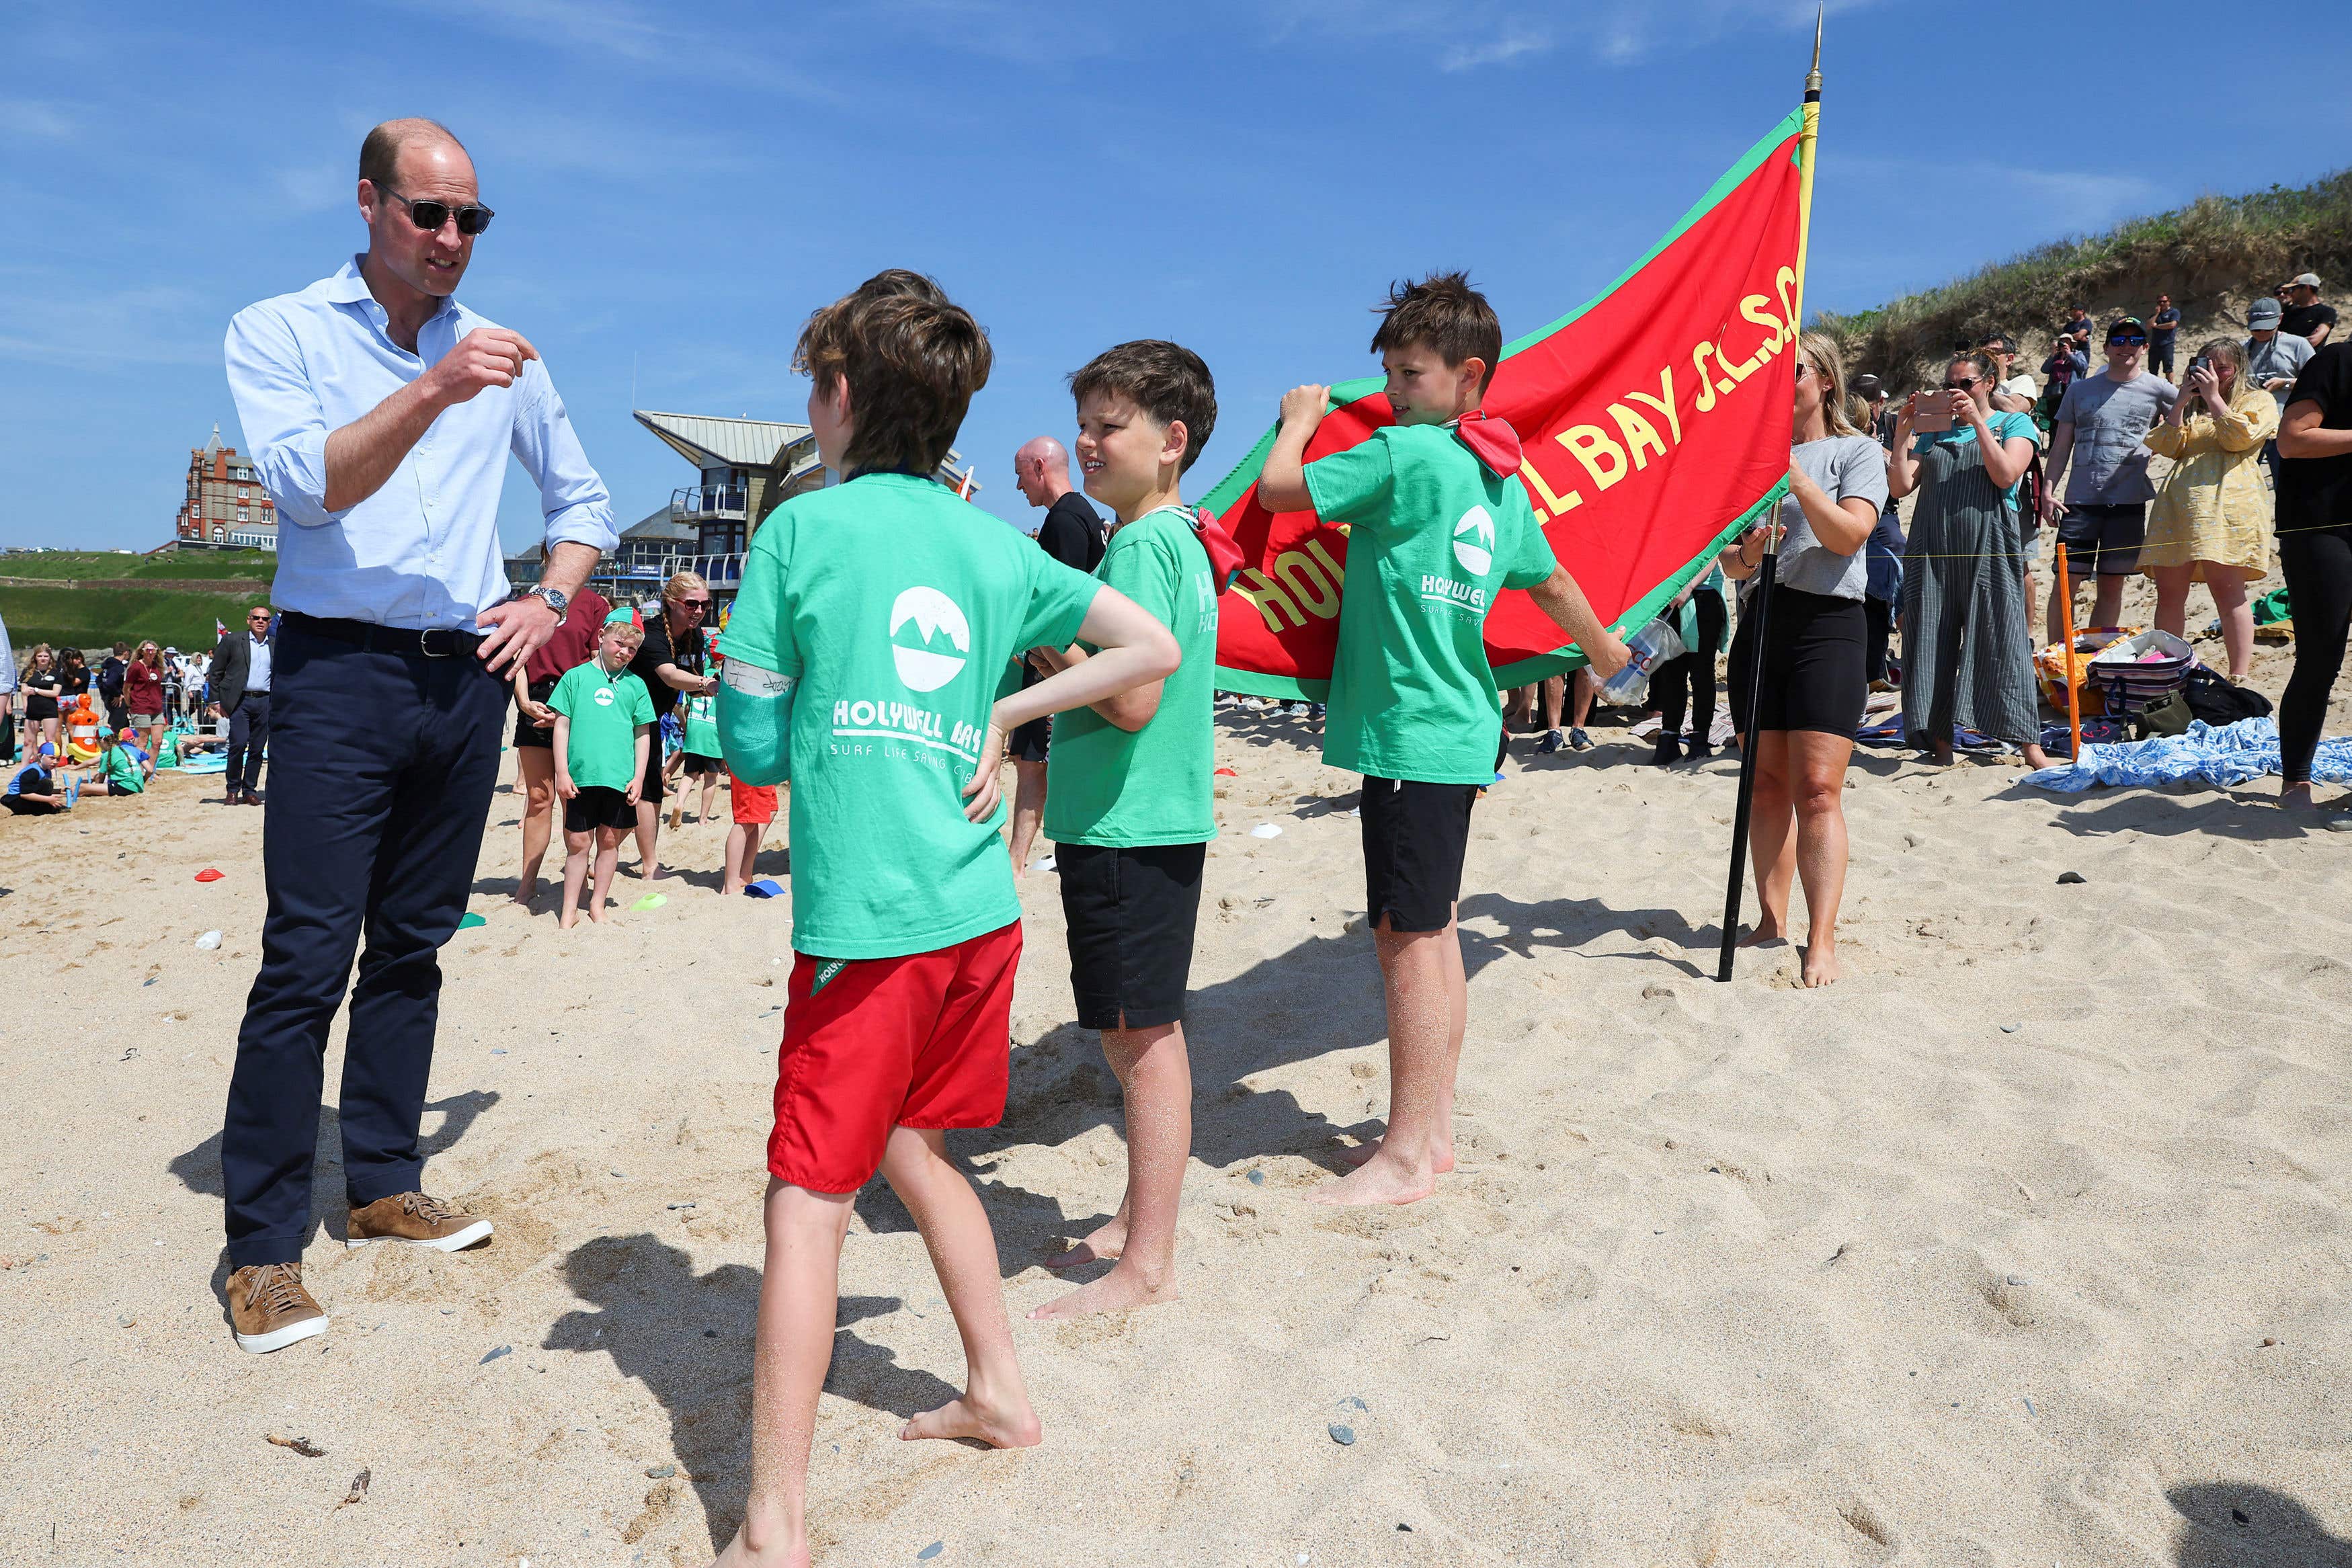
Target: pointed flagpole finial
x: 1813, y: 77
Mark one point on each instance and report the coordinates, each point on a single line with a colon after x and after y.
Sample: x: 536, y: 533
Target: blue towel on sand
x: 2228, y: 755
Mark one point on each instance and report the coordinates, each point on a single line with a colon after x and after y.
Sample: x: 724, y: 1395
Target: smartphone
x: 1934, y: 416
x: 2201, y: 362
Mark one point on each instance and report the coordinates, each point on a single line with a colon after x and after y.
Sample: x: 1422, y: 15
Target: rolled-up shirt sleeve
x: 577, y: 506
x: 284, y: 427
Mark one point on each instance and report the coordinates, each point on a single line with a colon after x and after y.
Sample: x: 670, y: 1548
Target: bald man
x: 381, y: 415
x: 1072, y: 535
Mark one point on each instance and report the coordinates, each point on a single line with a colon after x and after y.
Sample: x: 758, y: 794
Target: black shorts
x: 18, y: 806
x: 1130, y: 913
x: 1030, y: 741
x: 2103, y: 540
x: 1816, y: 670
x: 598, y: 806
x: 697, y: 764
x: 526, y: 732
x: 1415, y: 835
x: 650, y: 791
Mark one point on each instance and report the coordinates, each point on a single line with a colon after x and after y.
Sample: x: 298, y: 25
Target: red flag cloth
x: 1654, y: 423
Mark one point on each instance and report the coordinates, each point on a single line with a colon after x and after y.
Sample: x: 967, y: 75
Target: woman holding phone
x: 1811, y: 691
x: 2212, y: 521
x: 1966, y: 657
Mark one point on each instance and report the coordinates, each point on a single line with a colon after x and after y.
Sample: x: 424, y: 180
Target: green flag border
x: 1541, y: 666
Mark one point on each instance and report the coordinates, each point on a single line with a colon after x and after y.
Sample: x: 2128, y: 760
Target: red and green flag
x: 1655, y: 425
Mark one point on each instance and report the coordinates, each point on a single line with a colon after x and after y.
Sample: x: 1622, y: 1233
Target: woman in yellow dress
x: 2212, y: 521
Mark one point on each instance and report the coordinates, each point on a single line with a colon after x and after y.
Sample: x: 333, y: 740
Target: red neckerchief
x: 1491, y: 440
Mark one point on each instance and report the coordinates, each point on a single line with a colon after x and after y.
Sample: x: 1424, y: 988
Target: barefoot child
x: 873, y: 618
x: 604, y: 731
x: 1129, y: 801
x: 1438, y: 525
x: 753, y: 807
x: 700, y: 757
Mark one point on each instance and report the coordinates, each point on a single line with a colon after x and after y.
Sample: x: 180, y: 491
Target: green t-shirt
x: 896, y: 606
x: 1107, y: 786
x: 123, y: 772
x: 1434, y: 535
x: 702, y: 727
x: 605, y: 711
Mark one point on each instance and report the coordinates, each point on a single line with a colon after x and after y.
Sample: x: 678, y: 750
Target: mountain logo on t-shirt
x: 1475, y: 558
x: 921, y: 667
x: 604, y: 697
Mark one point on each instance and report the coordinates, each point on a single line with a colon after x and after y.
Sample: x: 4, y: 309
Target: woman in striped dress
x: 1967, y: 660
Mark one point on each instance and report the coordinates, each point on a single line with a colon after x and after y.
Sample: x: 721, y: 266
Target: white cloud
x: 1500, y: 49
x: 621, y: 30
x: 33, y: 118
x: 159, y: 324
x: 1481, y: 33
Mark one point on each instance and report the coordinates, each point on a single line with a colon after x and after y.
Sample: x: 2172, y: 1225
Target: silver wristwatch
x: 557, y: 599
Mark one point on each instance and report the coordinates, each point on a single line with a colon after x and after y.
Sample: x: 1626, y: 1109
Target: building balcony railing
x: 694, y: 502
x: 720, y: 571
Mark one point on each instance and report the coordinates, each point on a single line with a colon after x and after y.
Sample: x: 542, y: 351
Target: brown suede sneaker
x: 419, y: 1221
x: 270, y: 1309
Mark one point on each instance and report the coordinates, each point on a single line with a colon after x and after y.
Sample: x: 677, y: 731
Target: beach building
x: 224, y: 506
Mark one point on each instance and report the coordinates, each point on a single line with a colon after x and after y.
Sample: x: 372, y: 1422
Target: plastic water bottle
x: 1652, y: 646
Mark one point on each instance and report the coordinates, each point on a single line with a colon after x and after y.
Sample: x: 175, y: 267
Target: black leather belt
x: 438, y: 642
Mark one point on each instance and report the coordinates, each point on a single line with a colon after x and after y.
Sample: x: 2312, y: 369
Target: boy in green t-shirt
x: 603, y: 732
x: 873, y: 620
x: 1438, y: 525
x: 1129, y: 800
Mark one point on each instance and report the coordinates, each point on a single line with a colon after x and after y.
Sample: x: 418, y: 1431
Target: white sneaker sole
x: 278, y: 1338
x: 457, y: 1242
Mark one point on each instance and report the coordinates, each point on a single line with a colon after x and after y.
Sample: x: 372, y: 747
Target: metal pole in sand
x: 1761, y: 595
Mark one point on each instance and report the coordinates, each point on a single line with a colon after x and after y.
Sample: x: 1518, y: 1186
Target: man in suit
x: 240, y: 681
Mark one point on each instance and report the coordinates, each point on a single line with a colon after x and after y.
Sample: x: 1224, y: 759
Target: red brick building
x: 225, y: 505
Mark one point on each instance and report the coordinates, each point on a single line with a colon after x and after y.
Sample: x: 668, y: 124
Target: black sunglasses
x: 2128, y: 340
x: 1961, y: 386
x: 430, y: 215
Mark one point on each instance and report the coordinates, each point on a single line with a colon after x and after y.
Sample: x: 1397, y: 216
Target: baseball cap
x: 2264, y: 315
x: 625, y: 616
x: 2308, y: 280
x: 2120, y: 322
x: 1867, y: 385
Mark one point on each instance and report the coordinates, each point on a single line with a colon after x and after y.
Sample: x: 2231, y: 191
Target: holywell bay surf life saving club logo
x: 1473, y: 552
x: 931, y: 646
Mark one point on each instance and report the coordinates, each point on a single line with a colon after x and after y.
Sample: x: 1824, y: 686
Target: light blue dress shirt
x: 258, y: 655
x: 422, y: 551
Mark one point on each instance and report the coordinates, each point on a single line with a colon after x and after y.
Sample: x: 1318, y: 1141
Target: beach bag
x: 2166, y: 715
x: 2217, y: 702
x: 2136, y: 672
x: 2050, y: 668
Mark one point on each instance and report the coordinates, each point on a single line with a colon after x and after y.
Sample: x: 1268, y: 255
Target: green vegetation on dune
x: 105, y: 564
x: 2214, y: 249
x: 91, y: 618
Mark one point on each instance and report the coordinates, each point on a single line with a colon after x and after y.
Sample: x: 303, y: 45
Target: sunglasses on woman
x: 1950, y: 385
x: 429, y: 216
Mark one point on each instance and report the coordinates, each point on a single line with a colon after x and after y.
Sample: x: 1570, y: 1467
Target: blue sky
x: 678, y: 185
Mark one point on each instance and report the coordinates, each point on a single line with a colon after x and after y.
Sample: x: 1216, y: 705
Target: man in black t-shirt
x: 1072, y: 535
x: 2162, y: 329
x: 2306, y: 318
x: 2315, y: 542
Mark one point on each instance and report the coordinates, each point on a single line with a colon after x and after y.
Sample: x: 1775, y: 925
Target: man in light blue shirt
x: 380, y: 414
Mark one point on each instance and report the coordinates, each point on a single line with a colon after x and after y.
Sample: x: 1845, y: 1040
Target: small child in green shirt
x: 1439, y: 525
x: 121, y: 769
x: 1130, y: 800
x: 603, y: 729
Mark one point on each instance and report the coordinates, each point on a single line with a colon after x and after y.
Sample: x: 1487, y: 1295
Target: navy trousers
x: 248, y: 742
x: 380, y: 782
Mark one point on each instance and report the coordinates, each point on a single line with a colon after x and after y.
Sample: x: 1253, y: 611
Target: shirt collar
x: 347, y: 286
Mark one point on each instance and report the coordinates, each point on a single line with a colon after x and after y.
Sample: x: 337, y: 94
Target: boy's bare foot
x: 1822, y: 964
x: 1381, y: 1179
x: 567, y: 920
x: 967, y: 1418
x: 1108, y: 1242
x: 1441, y: 1155
x: 1116, y: 1292
x: 523, y: 895
x: 1766, y: 931
x: 738, y: 1556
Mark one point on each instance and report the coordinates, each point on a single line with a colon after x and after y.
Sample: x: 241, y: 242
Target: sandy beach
x: 2025, y: 1245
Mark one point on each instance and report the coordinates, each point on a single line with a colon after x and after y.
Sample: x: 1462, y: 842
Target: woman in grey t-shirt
x: 1811, y: 689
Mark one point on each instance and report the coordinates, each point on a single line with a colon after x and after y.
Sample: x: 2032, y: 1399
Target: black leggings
x: 2318, y: 569
x: 1689, y: 681
x: 1878, y: 619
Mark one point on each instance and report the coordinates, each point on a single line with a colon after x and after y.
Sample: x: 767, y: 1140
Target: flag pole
x: 1767, y: 569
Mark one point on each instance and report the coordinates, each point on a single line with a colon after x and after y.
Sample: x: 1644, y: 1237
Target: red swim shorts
x: 871, y: 1044
x: 752, y: 802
